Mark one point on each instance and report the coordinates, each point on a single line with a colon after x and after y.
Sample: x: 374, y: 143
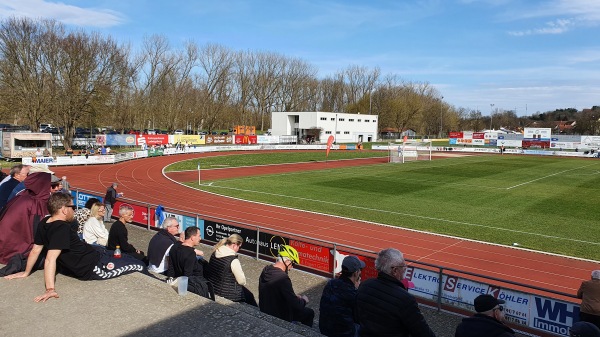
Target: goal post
x: 409, y: 151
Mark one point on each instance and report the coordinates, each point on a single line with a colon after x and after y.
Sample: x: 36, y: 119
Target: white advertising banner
x: 467, y: 134
x: 564, y: 145
x: 509, y: 143
x: 537, y: 133
x: 591, y: 141
x: 480, y: 142
x: 552, y: 315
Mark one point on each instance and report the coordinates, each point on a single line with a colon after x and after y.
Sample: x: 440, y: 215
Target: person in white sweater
x: 94, y: 231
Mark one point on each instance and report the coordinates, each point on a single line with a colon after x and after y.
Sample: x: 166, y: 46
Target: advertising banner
x: 591, y: 141
x: 537, y: 134
x: 262, y: 139
x: 189, y: 139
x: 454, y: 134
x: 479, y: 142
x: 478, y: 135
x: 81, y: 198
x: 212, y: 139
x: 564, y: 145
x: 121, y: 140
x: 312, y: 256
x: 540, y: 144
x: 368, y: 272
x: 152, y: 139
x: 467, y: 135
x: 464, y: 141
x: 491, y: 135
x: 215, y: 231
x: 246, y: 139
x: 100, y: 140
x: 509, y: 143
x: 426, y: 282
x: 552, y: 315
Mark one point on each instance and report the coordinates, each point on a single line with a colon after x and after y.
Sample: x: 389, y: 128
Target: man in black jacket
x: 159, y: 245
x: 488, y: 321
x: 119, y: 236
x: 110, y: 199
x: 385, y: 308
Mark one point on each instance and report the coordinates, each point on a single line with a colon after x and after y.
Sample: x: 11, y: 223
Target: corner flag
x: 329, y: 143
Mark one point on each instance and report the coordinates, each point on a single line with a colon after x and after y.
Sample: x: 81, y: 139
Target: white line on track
x: 411, y: 215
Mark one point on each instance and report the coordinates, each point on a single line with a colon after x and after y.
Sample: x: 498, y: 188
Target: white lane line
x: 548, y: 176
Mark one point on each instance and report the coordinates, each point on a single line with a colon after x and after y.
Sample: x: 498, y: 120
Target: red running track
x: 143, y: 180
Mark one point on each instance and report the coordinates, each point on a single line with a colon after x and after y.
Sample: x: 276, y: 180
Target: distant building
x: 318, y: 126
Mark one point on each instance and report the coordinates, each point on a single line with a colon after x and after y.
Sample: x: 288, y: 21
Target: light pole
x: 491, y: 115
x: 441, y: 115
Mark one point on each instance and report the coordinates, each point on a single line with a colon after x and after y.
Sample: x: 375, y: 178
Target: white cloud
x: 558, y: 26
x: 67, y: 14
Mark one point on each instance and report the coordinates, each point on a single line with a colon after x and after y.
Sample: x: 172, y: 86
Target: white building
x: 346, y: 128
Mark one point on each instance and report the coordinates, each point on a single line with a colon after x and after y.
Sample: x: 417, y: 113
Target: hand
x: 304, y: 298
x: 199, y: 252
x: 47, y: 295
x: 17, y: 275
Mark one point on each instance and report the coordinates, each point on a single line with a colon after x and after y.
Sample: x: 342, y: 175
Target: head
x: 287, y: 258
x: 20, y: 172
x: 351, y: 267
x: 90, y: 202
x: 125, y: 213
x: 64, y: 178
x: 171, y: 225
x: 61, y: 207
x: 115, y: 185
x: 490, y: 306
x: 192, y: 235
x: 55, y: 184
x: 584, y: 329
x: 596, y: 275
x: 391, y: 261
x: 97, y: 211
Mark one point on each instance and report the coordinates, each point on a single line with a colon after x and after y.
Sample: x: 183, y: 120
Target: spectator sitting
x: 160, y: 244
x: 589, y: 292
x: 64, y: 249
x: 118, y: 235
x: 584, y: 329
x: 385, y: 308
x: 94, y: 231
x: 82, y: 215
x: 337, y: 311
x: 488, y: 321
x: 225, y: 271
x: 183, y: 262
x: 46, y: 152
x: 18, y: 173
x: 276, y: 294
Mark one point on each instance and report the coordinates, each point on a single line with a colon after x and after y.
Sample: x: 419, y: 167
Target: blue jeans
x: 108, y: 212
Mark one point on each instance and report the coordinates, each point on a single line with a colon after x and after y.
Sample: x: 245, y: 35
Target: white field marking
x: 411, y: 215
x: 548, y: 176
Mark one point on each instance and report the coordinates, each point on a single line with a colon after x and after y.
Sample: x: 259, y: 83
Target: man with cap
x: 488, y: 321
x: 337, y: 315
x: 584, y: 329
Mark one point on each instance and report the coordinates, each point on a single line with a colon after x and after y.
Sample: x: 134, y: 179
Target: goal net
x: 409, y: 151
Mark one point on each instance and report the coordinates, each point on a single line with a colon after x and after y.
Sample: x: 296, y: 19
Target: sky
x: 528, y: 56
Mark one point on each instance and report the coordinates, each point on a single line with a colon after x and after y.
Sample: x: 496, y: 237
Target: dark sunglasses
x: 74, y: 207
x: 499, y: 308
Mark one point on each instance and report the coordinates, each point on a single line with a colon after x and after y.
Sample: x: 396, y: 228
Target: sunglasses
x: 74, y: 207
x: 499, y: 308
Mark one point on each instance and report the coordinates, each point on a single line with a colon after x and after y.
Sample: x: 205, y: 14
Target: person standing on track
x: 589, y: 292
x: 110, y: 199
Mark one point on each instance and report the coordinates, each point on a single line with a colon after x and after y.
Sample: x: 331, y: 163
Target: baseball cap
x: 352, y: 264
x: 55, y: 179
x: 584, y: 329
x: 486, y: 302
x: 39, y: 168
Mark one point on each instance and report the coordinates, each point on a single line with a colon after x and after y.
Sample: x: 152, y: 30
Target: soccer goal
x: 409, y: 151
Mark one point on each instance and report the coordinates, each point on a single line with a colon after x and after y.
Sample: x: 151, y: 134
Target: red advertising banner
x: 152, y: 139
x: 245, y: 139
x: 455, y: 134
x: 539, y: 144
x: 140, y: 214
x: 478, y: 135
x: 312, y: 256
x: 368, y: 272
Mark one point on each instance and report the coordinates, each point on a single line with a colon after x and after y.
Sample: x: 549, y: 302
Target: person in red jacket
x: 589, y: 292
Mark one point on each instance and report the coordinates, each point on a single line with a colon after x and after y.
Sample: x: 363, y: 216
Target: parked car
x: 178, y: 132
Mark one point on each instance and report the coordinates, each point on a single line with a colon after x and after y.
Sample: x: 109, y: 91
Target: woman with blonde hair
x: 94, y: 231
x: 225, y: 271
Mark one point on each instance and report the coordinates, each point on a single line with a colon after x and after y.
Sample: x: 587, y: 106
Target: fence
x: 531, y: 309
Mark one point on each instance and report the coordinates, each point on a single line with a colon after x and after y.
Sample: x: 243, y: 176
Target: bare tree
x: 215, y: 83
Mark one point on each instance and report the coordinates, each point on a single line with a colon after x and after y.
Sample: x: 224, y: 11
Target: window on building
x: 374, y: 121
x: 337, y: 132
x: 351, y: 120
x: 367, y: 121
x: 346, y: 132
x: 359, y: 120
x: 327, y: 132
x: 323, y: 118
x: 342, y: 119
x: 332, y: 119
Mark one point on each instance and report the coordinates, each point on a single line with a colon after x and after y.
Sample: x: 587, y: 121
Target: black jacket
x: 385, y: 308
x: 111, y: 196
x: 482, y: 325
x: 158, y: 245
x: 276, y: 294
x: 337, y: 308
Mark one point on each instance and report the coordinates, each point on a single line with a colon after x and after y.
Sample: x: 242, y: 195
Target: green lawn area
x: 541, y: 203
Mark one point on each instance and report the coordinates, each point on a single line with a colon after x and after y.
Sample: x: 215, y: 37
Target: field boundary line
x: 548, y: 176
